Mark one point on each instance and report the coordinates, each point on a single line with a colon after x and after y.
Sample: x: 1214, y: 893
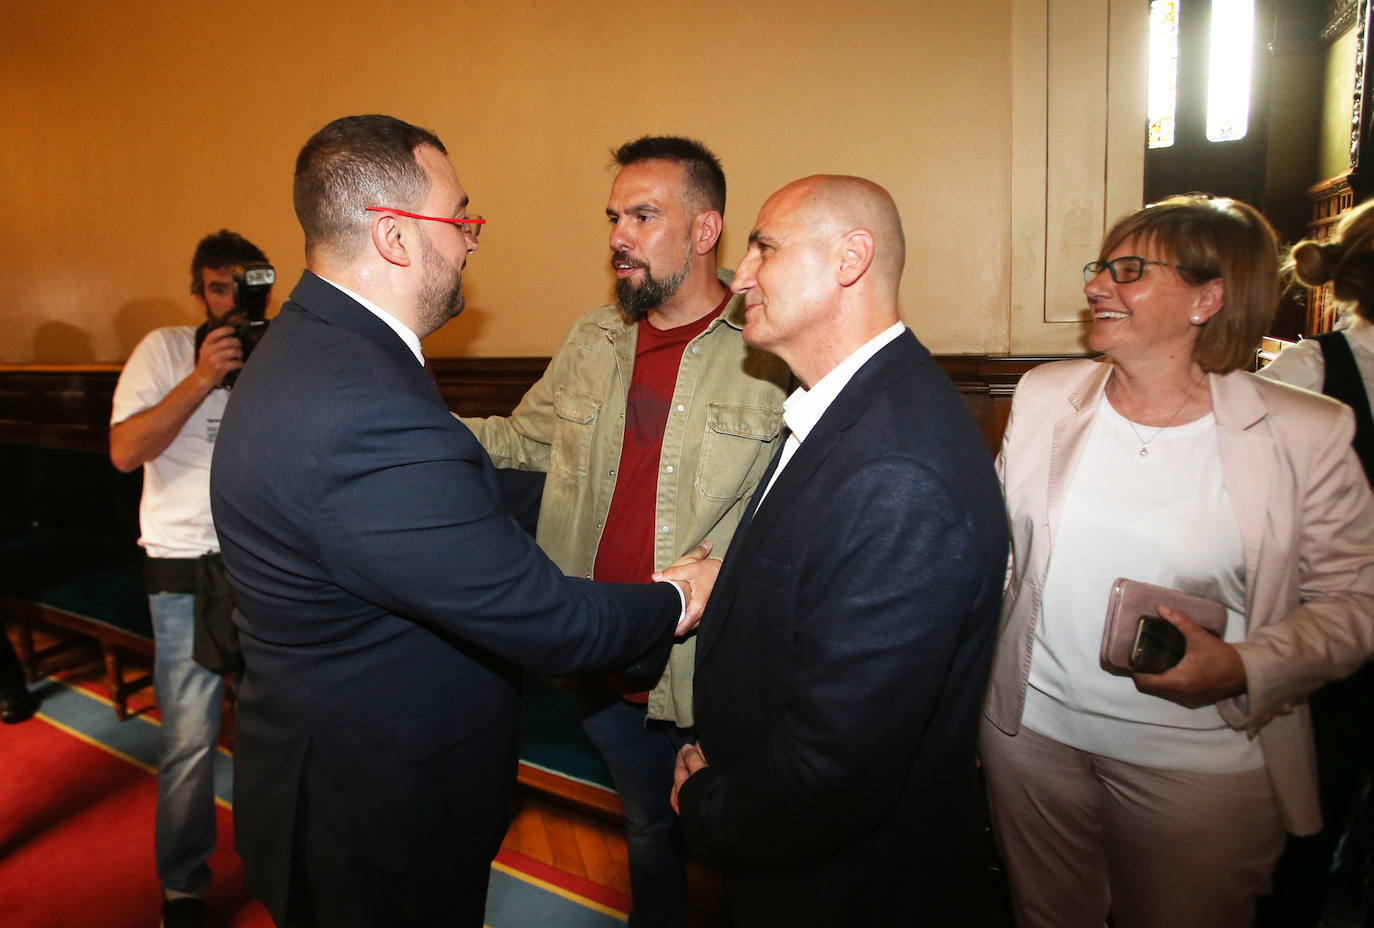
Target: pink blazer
x: 1306, y: 519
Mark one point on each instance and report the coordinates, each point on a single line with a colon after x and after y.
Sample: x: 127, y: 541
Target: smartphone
x: 1158, y: 645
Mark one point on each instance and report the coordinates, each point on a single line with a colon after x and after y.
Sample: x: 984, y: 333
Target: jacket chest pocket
x: 736, y: 437
x: 573, y: 425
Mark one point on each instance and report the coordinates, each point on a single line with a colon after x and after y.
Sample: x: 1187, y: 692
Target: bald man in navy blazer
x: 842, y: 658
x: 384, y: 600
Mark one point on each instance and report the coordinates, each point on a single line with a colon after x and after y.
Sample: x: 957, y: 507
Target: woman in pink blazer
x: 1165, y: 798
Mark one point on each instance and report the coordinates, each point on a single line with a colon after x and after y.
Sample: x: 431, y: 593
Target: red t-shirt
x: 626, y: 551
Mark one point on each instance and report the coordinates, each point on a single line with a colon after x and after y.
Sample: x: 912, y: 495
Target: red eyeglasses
x: 472, y: 225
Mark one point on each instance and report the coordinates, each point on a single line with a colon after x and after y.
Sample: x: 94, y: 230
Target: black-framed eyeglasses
x: 1129, y: 268
x: 472, y: 225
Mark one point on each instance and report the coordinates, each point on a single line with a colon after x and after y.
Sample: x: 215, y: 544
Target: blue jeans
x: 641, y: 753
x: 189, y: 698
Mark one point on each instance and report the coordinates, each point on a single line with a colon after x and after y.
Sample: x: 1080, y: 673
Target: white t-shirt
x: 174, y: 514
x: 1165, y: 519
x: 1304, y: 365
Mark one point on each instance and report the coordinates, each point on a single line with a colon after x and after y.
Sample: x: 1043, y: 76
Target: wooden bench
x: 69, y: 558
x: 115, y: 645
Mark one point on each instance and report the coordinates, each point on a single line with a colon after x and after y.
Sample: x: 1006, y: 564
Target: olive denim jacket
x: 722, y: 430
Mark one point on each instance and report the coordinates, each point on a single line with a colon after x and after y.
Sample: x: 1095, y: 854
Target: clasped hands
x: 1211, y: 669
x: 695, y: 574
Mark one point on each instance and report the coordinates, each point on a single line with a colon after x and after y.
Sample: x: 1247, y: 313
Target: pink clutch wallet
x: 1131, y: 601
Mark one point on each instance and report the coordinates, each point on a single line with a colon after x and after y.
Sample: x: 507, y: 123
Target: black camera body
x: 252, y: 286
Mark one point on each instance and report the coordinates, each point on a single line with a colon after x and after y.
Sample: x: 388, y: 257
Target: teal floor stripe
x: 513, y: 903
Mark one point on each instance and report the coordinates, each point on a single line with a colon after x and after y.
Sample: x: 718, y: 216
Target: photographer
x: 166, y: 414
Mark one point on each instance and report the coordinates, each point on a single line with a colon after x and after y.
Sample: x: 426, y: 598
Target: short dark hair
x: 705, y: 179
x: 222, y: 249
x: 350, y: 164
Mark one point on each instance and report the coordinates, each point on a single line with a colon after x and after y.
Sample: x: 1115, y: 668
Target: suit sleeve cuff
x: 682, y: 598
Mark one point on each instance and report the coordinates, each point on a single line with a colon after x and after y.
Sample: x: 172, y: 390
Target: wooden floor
x: 593, y: 849
x: 586, y: 844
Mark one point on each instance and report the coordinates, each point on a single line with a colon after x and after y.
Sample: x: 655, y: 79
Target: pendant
x: 1144, y: 451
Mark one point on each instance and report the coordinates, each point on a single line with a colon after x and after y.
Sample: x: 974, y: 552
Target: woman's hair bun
x: 1314, y: 263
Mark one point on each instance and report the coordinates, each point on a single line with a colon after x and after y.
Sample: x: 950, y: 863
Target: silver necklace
x: 1145, y: 442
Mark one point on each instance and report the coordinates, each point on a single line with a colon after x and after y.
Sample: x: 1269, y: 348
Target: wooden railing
x: 68, y: 406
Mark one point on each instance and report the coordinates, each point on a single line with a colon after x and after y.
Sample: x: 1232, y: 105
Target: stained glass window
x: 1228, y: 70
x: 1163, y: 72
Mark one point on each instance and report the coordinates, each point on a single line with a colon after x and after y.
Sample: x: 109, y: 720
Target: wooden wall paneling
x: 69, y: 406
x: 1076, y: 208
x: 485, y: 386
x: 1335, y: 196
x: 1329, y: 200
x: 1078, y: 117
x: 57, y: 407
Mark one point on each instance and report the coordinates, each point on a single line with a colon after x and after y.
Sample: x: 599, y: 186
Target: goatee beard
x: 637, y: 300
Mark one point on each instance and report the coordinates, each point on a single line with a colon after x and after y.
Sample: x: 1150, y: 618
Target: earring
x: 1196, y: 319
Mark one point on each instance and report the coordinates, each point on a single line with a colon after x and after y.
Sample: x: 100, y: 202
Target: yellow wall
x: 1338, y: 99
x: 132, y: 129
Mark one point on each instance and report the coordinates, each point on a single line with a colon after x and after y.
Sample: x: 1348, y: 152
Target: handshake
x: 695, y: 574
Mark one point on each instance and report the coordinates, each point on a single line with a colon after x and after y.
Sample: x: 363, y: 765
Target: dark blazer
x: 842, y: 658
x: 383, y: 598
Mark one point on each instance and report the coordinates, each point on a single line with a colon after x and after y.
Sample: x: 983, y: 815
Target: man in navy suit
x: 841, y: 661
x: 383, y: 597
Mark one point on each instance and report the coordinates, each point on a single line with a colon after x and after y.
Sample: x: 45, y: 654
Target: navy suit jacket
x: 842, y: 658
x: 383, y: 600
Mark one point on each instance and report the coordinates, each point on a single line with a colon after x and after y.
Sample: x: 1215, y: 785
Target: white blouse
x: 1163, y: 518
x: 1303, y: 364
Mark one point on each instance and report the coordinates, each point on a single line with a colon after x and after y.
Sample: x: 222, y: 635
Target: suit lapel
x: 715, y: 613
x: 1068, y: 441
x: 1247, y: 461
x: 869, y: 381
x: 322, y: 299
x: 764, y: 481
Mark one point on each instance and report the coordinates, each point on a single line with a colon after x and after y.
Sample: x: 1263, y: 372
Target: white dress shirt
x: 804, y: 408
x: 400, y: 328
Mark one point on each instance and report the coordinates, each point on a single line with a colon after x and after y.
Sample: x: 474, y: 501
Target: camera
x: 252, y: 285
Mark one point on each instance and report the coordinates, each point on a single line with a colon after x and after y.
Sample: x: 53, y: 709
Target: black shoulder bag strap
x: 1343, y: 383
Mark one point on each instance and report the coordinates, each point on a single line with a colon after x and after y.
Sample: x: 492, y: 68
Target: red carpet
x: 76, y: 839
x: 77, y: 799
